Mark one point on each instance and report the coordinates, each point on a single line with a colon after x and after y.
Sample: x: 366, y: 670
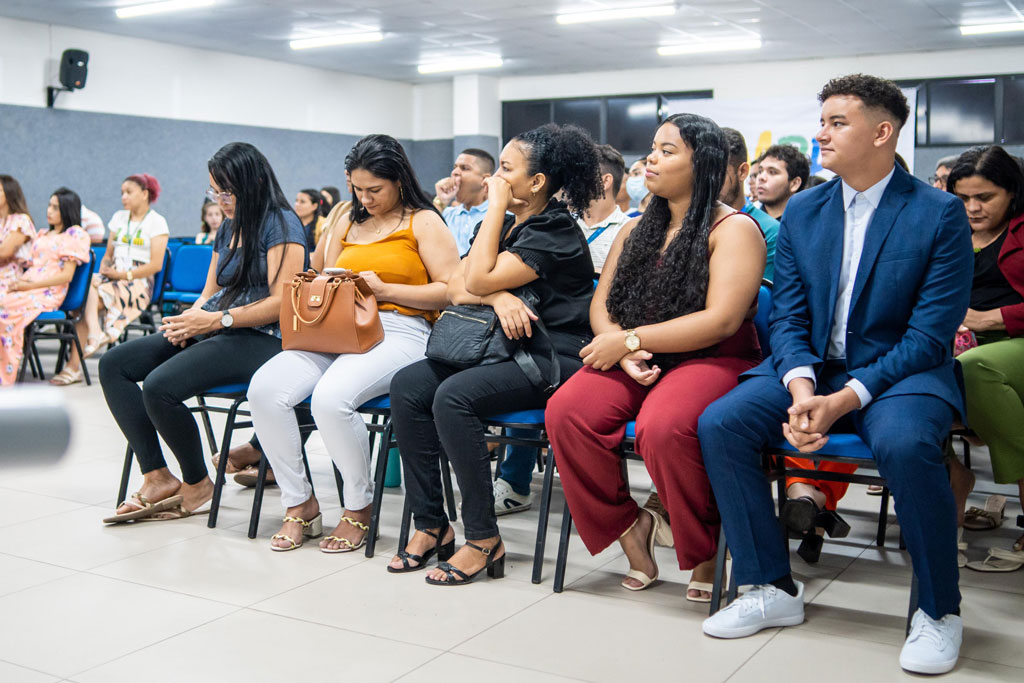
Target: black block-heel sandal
x: 443, y: 551
x: 495, y: 567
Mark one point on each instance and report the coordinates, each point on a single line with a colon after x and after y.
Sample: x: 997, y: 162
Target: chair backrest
x: 98, y: 252
x: 79, y: 287
x: 158, y: 279
x: 764, y: 312
x: 176, y: 243
x: 190, y: 266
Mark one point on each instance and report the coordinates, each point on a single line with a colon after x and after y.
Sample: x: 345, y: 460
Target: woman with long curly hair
x: 672, y: 316
x: 536, y: 251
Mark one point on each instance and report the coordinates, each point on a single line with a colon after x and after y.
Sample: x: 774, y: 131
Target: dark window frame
x: 923, y: 85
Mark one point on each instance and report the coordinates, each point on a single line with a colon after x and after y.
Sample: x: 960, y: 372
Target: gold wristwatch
x: 128, y: 275
x: 632, y: 340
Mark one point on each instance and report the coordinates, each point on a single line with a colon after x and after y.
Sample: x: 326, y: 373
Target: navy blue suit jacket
x: 911, y: 292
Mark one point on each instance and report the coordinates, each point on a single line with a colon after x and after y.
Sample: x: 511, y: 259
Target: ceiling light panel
x: 336, y: 39
x: 618, y: 14
x: 716, y: 46
x: 985, y: 29
x: 149, y: 8
x: 461, y: 64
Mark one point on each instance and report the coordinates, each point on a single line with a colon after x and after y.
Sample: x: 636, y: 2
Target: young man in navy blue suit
x: 872, y: 277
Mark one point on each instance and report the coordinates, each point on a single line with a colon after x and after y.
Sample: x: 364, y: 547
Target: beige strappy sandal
x: 636, y: 574
x: 67, y: 377
x: 310, y: 529
x: 145, y: 509
x: 347, y: 545
x: 94, y: 344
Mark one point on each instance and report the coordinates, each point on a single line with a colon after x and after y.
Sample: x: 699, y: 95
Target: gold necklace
x: 377, y: 231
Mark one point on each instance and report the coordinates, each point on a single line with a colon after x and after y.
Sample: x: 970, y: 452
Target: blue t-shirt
x: 279, y: 227
x: 770, y: 228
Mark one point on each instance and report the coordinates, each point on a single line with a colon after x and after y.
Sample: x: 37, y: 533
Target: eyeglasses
x: 219, y: 196
x: 938, y: 179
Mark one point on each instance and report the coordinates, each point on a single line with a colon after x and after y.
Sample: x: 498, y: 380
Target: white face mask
x: 636, y: 186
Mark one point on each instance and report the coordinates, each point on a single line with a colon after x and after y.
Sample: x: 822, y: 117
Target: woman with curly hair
x: 536, y: 252
x: 672, y: 316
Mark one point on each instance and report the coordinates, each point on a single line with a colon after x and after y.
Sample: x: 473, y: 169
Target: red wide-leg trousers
x: 586, y: 421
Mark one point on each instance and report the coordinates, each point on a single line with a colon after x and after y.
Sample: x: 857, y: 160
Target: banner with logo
x: 767, y: 121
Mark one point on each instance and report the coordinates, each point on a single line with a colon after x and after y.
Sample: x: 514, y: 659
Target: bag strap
x: 530, y: 368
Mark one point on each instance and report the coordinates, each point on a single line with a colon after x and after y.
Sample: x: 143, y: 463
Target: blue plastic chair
x: 146, y: 322
x: 187, y: 278
x: 63, y: 320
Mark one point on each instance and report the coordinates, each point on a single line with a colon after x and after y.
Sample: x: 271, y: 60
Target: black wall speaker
x: 74, y: 67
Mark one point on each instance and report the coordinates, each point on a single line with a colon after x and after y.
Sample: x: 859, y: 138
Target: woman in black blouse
x: 538, y: 251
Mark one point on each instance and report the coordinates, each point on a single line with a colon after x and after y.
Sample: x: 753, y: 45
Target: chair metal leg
x: 500, y: 454
x: 912, y: 608
x: 83, y: 364
x: 542, y: 521
x: 218, y: 484
x: 126, y: 473
x: 719, y: 580
x: 403, y: 532
x: 309, y: 475
x: 208, y: 426
x: 967, y: 452
x: 883, y: 517
x: 449, y: 492
x: 563, y: 549
x: 340, y: 483
x: 257, y: 499
x: 383, y: 451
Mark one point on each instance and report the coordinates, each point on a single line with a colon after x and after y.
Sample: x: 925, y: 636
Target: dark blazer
x: 911, y: 293
x: 1011, y: 265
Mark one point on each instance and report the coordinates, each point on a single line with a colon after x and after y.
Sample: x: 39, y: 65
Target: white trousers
x: 339, y: 385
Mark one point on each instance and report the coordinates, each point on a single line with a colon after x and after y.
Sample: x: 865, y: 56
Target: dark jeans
x: 436, y: 406
x: 170, y: 375
x: 905, y: 435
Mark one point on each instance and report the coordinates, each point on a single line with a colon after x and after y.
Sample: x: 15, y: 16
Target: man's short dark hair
x: 486, y: 160
x: 797, y: 164
x: 874, y: 92
x: 737, y: 146
x: 612, y: 162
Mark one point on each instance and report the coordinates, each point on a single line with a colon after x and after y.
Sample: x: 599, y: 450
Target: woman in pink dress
x: 16, y: 231
x: 54, y: 255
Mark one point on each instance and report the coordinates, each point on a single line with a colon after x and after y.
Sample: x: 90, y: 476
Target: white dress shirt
x: 859, y: 209
x: 602, y: 243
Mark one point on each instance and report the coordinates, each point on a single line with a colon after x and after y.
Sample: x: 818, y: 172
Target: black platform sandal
x: 495, y: 567
x: 798, y: 515
x: 443, y: 551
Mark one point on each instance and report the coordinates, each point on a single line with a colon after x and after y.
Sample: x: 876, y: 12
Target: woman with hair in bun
x: 536, y: 251
x: 672, y: 315
x: 122, y: 288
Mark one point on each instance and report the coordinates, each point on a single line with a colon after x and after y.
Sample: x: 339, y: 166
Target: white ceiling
x: 525, y: 34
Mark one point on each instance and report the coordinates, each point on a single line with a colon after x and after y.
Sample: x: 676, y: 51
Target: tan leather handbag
x: 329, y: 314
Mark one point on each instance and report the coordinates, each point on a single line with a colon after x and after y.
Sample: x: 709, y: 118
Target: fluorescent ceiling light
x: 461, y: 64
x: 612, y: 14
x: 717, y: 46
x: 981, y: 29
x: 159, y: 7
x: 337, y: 39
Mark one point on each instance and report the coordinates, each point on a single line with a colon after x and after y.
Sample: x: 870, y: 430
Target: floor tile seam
x: 304, y: 584
x: 146, y: 552
x: 417, y: 668
x: 778, y: 631
x: 343, y: 629
x: 155, y: 642
x: 29, y: 668
x: 47, y: 563
x: 499, y: 622
x: 521, y: 668
x: 45, y: 495
x: 162, y: 589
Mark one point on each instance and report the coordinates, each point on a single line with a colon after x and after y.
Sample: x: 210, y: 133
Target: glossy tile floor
x: 177, y: 601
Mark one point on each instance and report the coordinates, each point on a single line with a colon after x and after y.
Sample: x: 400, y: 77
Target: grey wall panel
x: 488, y: 143
x: 92, y: 153
x: 925, y: 158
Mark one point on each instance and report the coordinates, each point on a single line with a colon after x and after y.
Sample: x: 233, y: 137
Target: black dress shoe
x: 799, y: 514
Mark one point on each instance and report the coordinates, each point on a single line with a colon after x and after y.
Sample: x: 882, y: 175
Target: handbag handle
x: 323, y: 309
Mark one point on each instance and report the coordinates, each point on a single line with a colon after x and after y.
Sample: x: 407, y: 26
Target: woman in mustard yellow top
x: 397, y: 242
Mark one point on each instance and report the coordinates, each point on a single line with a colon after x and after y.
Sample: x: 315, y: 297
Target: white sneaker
x: 761, y: 607
x: 932, y: 646
x: 507, y: 501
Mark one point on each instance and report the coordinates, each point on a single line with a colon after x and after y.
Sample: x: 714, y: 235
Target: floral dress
x: 49, y: 251
x: 11, y: 271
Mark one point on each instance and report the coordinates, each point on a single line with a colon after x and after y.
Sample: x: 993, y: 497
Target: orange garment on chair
x: 833, y: 490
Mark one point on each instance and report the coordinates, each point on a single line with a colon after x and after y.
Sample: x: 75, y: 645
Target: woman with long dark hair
x: 122, y: 288
x: 16, y: 231
x: 536, y: 253
x: 308, y: 208
x: 41, y: 287
x: 672, y: 318
x: 396, y: 241
x: 991, y: 184
x: 230, y: 331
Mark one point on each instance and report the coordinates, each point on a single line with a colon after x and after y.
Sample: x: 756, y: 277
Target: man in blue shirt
x: 462, y: 197
x: 732, y: 194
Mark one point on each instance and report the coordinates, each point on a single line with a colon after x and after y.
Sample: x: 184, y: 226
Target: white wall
x: 745, y: 80
x: 432, y: 111
x: 147, y: 78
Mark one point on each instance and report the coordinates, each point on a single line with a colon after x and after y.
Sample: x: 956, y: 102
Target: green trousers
x: 994, y: 378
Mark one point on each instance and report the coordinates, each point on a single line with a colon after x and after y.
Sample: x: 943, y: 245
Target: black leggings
x: 434, y: 405
x: 170, y: 375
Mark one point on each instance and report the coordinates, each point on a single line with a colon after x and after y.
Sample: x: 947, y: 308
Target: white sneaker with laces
x: 933, y: 646
x: 507, y: 501
x: 763, y: 606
